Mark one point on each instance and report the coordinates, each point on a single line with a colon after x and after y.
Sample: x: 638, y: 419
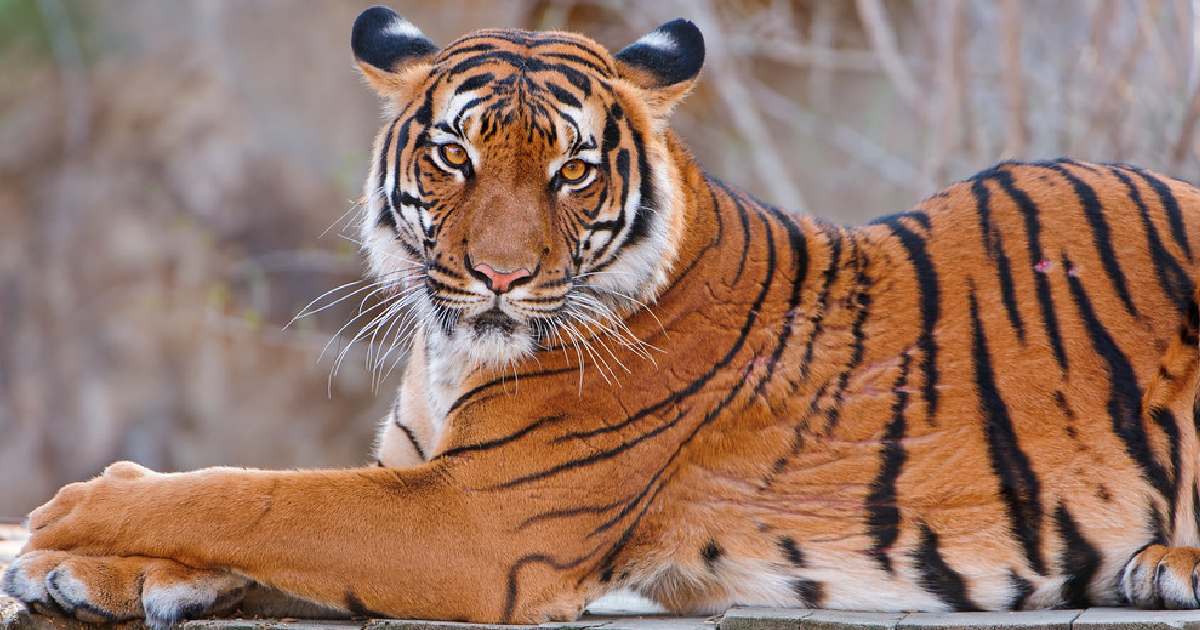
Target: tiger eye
x: 454, y: 154
x: 573, y: 170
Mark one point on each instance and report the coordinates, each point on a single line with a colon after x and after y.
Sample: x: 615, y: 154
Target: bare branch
x: 76, y: 95
x: 1186, y: 143
x: 739, y: 103
x: 1017, y: 129
x: 883, y: 39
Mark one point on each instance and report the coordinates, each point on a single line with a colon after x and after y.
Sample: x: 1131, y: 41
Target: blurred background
x: 175, y: 181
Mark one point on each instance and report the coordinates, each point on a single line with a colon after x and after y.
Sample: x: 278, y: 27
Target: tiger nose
x: 500, y: 281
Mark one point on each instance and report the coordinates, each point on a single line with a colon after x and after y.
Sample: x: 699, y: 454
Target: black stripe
x: 937, y: 577
x: 358, y: 609
x: 1033, y: 236
x: 488, y: 445
x: 563, y: 96
x: 1018, y: 484
x: 810, y: 592
x: 647, y: 204
x: 523, y: 64
x: 445, y: 271
x: 616, y: 225
x: 862, y: 304
x: 790, y: 551
x: 1165, y: 420
x: 1060, y: 400
x: 799, y: 248
x: 744, y: 219
x: 514, y: 571
x: 1101, y: 235
x: 1124, y: 402
x: 993, y: 244
x: 1170, y: 207
x: 387, y: 218
x: 1078, y: 560
x: 464, y: 111
x: 1021, y: 588
x: 1189, y: 331
x: 817, y: 317
x: 579, y: 60
x: 412, y: 438
x: 475, y: 391
x: 1196, y: 498
x: 883, y: 508
x: 921, y: 218
x: 1174, y: 282
x: 930, y: 305
x: 1157, y: 524
x: 571, y: 511
x: 711, y: 552
x: 474, y: 83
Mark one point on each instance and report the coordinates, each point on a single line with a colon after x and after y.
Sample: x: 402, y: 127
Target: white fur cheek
x: 643, y: 269
x: 385, y: 258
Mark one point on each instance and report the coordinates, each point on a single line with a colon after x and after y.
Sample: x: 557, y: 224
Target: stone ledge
x: 13, y: 616
x: 1090, y: 619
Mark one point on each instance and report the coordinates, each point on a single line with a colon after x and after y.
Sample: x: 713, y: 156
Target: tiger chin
x: 630, y: 375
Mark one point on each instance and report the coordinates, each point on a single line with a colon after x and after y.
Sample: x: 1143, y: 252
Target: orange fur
x: 922, y: 413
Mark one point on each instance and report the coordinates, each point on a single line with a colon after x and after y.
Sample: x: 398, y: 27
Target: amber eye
x: 454, y: 154
x: 574, y: 170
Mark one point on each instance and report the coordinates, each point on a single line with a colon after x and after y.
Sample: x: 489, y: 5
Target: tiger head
x: 522, y: 188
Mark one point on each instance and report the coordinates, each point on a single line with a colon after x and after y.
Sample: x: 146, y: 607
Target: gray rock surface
x: 13, y: 616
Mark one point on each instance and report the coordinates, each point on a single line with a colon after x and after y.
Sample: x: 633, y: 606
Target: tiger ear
x: 664, y: 63
x: 390, y: 51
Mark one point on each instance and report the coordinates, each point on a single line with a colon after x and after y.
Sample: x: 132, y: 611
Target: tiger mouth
x: 494, y: 320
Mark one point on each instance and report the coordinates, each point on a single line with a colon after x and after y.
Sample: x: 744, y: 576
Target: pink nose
x: 500, y: 281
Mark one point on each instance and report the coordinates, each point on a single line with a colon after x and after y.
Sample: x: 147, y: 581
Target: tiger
x: 631, y: 375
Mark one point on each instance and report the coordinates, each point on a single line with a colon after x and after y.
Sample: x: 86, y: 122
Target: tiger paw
x: 114, y: 589
x: 1163, y: 577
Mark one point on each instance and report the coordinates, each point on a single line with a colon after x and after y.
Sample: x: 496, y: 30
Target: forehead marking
x: 599, y: 60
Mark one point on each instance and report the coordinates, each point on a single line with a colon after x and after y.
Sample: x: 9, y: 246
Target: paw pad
x: 1163, y: 577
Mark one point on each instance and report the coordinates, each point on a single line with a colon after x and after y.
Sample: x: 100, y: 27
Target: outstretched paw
x: 1163, y: 577
x: 113, y: 589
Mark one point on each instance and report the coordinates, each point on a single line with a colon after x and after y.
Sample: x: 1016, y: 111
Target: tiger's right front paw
x: 114, y: 589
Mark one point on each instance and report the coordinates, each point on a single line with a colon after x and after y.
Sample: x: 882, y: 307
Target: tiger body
x: 837, y: 457
x: 986, y: 403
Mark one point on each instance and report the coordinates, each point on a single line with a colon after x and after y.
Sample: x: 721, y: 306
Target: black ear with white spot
x: 670, y: 54
x: 388, y: 48
x: 664, y: 63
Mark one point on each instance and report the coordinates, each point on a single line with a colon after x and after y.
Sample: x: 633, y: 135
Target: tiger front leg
x: 408, y: 543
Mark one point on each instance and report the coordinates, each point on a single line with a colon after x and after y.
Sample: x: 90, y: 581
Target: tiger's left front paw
x: 1163, y: 577
x: 115, y: 589
x: 83, y: 517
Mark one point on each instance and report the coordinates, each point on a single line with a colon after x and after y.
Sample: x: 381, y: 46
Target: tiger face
x: 522, y: 192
